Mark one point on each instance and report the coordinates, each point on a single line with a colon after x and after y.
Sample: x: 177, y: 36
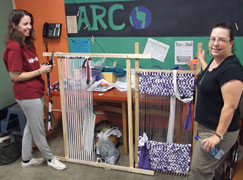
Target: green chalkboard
x: 127, y: 45
x: 6, y: 91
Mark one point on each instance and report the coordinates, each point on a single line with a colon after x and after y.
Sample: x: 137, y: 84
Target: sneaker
x: 33, y: 162
x: 56, y: 164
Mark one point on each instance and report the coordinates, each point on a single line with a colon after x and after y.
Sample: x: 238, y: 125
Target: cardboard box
x: 110, y: 77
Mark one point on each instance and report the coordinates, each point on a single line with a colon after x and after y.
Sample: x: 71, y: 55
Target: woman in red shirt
x: 25, y: 71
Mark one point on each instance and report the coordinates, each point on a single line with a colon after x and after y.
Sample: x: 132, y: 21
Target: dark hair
x: 228, y: 26
x: 14, y: 18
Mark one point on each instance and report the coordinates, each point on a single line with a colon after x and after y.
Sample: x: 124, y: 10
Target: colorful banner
x: 155, y: 18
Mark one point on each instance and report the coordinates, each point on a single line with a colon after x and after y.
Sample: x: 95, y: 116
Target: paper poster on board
x: 183, y: 52
x: 80, y: 45
x: 157, y: 49
x: 72, y: 24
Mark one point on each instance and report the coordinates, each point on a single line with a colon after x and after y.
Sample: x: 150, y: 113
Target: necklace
x: 203, y: 77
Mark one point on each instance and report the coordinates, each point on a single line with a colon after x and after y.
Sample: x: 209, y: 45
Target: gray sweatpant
x: 204, y: 166
x: 34, y: 129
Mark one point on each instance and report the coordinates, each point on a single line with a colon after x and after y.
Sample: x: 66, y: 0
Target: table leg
x: 124, y: 125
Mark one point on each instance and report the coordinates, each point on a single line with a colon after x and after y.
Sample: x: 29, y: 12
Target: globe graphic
x: 140, y: 17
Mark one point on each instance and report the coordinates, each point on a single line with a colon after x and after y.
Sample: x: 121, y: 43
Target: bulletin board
x: 114, y: 26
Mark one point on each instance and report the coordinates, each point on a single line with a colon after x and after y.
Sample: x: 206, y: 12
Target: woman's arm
x: 17, y: 76
x: 231, y: 92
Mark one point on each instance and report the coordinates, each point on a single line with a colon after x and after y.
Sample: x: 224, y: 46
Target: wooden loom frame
x: 128, y: 58
x: 132, y: 162
x: 137, y: 70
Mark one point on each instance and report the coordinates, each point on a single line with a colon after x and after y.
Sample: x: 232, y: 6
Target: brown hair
x: 228, y: 26
x: 14, y: 18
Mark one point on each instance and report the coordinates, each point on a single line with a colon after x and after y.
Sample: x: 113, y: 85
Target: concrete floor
x: 75, y: 171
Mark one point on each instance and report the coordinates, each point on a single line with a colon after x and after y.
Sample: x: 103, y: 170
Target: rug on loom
x: 170, y: 158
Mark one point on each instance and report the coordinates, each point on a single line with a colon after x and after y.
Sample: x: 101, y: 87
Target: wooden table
x: 114, y: 95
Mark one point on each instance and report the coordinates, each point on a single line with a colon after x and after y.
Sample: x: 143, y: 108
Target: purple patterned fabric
x: 169, y: 157
x: 161, y: 83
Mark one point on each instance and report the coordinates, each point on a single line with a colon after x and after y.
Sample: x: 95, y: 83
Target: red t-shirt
x: 24, y: 60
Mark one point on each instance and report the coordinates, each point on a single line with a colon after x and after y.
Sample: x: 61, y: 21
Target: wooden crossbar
x: 100, y: 55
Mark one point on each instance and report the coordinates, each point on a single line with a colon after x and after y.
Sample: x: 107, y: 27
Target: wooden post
x: 129, y: 108
x: 64, y: 125
x: 136, y: 104
x: 199, y: 49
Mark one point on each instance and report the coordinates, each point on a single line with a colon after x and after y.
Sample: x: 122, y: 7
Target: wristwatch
x: 220, y: 137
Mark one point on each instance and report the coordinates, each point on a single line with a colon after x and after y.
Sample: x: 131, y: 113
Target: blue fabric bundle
x: 117, y: 71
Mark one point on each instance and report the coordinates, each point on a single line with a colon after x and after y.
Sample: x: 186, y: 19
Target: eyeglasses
x: 220, y: 40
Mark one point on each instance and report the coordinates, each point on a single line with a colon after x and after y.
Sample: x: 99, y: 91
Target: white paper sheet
x: 72, y: 24
x: 157, y: 49
x: 183, y: 52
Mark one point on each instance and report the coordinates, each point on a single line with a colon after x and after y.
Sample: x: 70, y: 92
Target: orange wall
x: 51, y: 11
